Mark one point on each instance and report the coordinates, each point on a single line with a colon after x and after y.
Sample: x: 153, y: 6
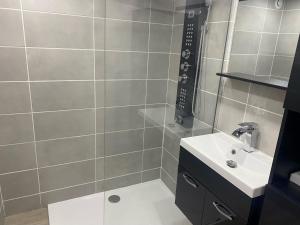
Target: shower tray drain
x: 114, y: 198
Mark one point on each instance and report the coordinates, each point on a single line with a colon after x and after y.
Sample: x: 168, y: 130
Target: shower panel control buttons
x: 183, y: 78
x: 185, y: 66
x: 186, y: 54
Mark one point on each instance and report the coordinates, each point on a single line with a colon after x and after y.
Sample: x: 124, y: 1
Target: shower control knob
x: 185, y: 66
x: 186, y: 54
x: 183, y: 78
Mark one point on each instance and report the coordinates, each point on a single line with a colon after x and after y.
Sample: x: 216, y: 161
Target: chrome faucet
x: 247, y: 133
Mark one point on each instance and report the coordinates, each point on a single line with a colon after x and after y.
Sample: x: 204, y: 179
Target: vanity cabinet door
x: 216, y: 213
x: 190, y: 196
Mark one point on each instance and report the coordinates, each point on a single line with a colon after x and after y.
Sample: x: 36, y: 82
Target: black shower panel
x: 194, y: 31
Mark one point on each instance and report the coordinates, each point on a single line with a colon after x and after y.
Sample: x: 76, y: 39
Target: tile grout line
x: 95, y: 100
x: 78, y: 185
x: 276, y: 44
x: 146, y: 91
x: 169, y: 68
x: 30, y: 99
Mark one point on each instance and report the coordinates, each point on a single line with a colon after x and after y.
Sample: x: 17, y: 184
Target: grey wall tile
x: 2, y: 216
x: 170, y: 164
x: 282, y: 66
x: 124, y: 118
x: 22, y: 205
x: 268, y: 43
x: 168, y: 181
x: 15, y: 129
x: 67, y: 175
x: 153, y: 137
x: 11, y: 28
x: 220, y: 10
x: 100, y: 168
x: 20, y: 184
x: 152, y: 159
x: 209, y: 80
x: 206, y: 106
x: 14, y: 98
x: 46, y: 30
x: 123, y: 142
x: 52, y: 125
x: 177, y: 39
x: 123, y: 164
x: 245, y: 42
x: 258, y: 3
x: 270, y: 99
x: 160, y: 38
x: 216, y: 38
x: 272, y: 22
x: 172, y: 143
x: 17, y: 157
x: 287, y: 44
x: 264, y: 65
x: 236, y: 90
x: 162, y: 11
x: 100, y: 151
x: 100, y: 92
x: 227, y: 122
x: 65, y: 150
x: 154, y: 115
x: 269, y: 125
x: 100, y: 186
x: 124, y: 181
x: 151, y: 175
x: 122, y: 93
x: 66, y: 194
x: 100, y: 8
x: 100, y: 120
x: 99, y: 65
x: 290, y: 22
x: 12, y: 64
x: 125, y: 65
x: 134, y: 35
x: 174, y: 67
x: 14, y: 4
x: 100, y: 29
x: 135, y: 10
x: 158, y: 66
x: 172, y: 91
x: 55, y: 64
x: 242, y: 63
x: 50, y: 96
x: 244, y: 18
x: 156, y: 91
x: 292, y: 4
x: 72, y: 7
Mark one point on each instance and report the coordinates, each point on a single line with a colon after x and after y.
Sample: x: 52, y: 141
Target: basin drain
x: 231, y: 164
x: 114, y: 198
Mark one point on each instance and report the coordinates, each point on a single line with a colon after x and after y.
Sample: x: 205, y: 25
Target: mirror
x: 263, y: 38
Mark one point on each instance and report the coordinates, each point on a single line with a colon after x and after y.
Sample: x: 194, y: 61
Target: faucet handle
x: 249, y: 125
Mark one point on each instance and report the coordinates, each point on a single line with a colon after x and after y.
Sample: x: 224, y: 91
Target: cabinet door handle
x: 190, y: 180
x: 222, y: 210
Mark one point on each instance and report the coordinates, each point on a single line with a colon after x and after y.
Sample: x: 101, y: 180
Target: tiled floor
x: 149, y: 203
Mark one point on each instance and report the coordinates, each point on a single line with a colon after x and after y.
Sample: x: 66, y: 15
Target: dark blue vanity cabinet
x: 206, y: 198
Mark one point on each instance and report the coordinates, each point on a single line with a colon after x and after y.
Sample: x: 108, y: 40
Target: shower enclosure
x: 96, y: 94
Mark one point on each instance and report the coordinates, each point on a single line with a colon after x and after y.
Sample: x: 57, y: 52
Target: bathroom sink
x: 250, y: 172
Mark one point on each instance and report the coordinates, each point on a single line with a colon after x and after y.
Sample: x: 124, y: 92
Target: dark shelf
x: 270, y: 82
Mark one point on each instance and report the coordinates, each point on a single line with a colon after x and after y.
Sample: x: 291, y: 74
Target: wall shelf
x: 266, y: 81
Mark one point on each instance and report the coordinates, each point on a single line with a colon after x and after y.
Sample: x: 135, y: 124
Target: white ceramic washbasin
x: 253, y: 169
